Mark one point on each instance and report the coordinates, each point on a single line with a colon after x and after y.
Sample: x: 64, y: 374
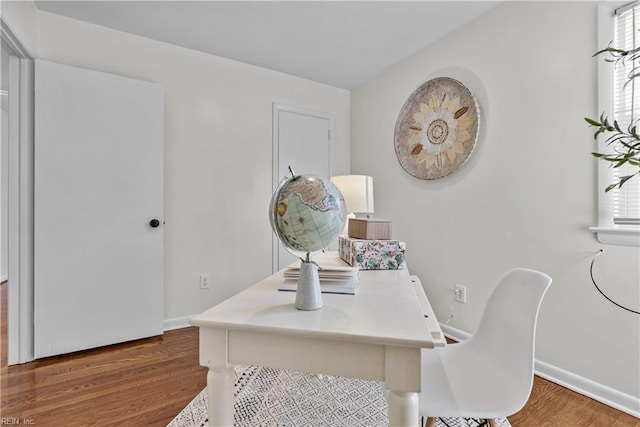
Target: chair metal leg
x: 431, y: 422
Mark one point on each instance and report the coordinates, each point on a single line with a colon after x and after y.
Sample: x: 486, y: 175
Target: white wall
x: 526, y: 196
x: 218, y: 126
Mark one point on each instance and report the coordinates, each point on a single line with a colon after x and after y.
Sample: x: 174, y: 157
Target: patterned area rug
x: 273, y: 397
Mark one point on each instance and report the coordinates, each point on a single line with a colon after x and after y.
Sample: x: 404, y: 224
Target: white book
x: 333, y: 279
x: 326, y: 272
x: 346, y: 287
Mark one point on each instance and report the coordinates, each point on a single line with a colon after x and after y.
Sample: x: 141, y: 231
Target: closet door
x: 98, y: 208
x: 302, y: 139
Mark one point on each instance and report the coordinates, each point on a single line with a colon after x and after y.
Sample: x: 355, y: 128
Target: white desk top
x: 385, y: 310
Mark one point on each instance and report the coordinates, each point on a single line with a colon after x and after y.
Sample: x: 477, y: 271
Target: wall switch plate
x: 205, y: 281
x: 461, y: 294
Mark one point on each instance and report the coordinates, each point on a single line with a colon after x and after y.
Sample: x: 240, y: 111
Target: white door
x: 302, y: 140
x: 98, y: 207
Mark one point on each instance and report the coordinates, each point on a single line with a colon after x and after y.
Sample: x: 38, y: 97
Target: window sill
x: 625, y: 236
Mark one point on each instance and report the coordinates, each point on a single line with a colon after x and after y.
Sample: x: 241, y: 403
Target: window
x: 619, y: 209
x: 626, y: 110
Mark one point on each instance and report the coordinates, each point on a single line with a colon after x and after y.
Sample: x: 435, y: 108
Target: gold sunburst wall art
x: 437, y: 129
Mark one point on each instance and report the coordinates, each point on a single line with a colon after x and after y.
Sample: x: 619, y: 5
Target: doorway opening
x: 302, y: 140
x: 16, y: 199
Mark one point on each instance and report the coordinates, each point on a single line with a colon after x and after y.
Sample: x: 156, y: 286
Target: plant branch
x: 625, y: 143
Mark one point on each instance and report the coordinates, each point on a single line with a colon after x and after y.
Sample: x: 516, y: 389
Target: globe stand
x: 308, y: 295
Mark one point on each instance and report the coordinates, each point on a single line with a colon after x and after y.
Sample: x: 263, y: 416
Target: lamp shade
x: 357, y: 191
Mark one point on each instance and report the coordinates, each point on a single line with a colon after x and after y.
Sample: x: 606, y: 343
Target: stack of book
x: 333, y: 279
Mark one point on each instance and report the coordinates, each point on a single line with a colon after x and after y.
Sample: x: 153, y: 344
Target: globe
x: 307, y: 212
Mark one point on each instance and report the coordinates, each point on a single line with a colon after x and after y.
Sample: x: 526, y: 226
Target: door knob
x: 154, y: 223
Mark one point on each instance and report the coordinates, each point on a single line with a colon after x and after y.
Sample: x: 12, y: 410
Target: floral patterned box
x: 372, y: 254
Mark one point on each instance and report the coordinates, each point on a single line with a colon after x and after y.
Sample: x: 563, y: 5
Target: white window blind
x: 626, y: 102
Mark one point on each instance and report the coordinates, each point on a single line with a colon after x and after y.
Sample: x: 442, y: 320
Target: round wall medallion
x: 437, y: 129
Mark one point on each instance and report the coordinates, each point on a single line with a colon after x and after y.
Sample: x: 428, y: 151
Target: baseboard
x: 453, y: 333
x: 177, y: 323
x: 602, y: 393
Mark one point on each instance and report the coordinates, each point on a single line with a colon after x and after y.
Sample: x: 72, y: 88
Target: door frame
x: 20, y: 201
x: 277, y: 108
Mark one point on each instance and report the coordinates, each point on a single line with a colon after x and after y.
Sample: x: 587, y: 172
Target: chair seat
x: 453, y: 386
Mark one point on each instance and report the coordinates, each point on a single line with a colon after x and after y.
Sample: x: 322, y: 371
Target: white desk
x: 376, y: 334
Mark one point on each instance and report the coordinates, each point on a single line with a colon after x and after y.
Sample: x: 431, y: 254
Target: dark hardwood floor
x: 140, y: 383
x: 147, y: 382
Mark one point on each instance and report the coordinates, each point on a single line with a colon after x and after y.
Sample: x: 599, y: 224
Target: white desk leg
x: 220, y: 378
x: 402, y: 373
x: 220, y: 382
x: 403, y: 409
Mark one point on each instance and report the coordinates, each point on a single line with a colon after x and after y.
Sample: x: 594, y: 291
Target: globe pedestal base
x: 308, y: 295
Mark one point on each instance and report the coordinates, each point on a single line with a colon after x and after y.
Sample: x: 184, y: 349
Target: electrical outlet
x: 461, y: 294
x: 205, y: 281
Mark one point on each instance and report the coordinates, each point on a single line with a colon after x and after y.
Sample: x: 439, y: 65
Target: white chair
x: 490, y: 374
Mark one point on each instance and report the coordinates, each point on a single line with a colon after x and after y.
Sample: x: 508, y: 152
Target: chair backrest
x: 507, y: 329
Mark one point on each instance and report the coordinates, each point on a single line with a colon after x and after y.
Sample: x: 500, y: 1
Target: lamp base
x: 308, y: 294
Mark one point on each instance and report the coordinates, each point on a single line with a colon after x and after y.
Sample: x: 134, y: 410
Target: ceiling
x: 339, y: 43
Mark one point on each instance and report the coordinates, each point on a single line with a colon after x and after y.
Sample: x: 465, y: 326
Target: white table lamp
x: 357, y: 191
x: 358, y: 195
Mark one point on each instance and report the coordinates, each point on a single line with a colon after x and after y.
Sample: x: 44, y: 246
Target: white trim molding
x: 19, y: 197
x: 611, y: 397
x: 602, y: 393
x: 12, y: 41
x: 454, y: 333
x: 177, y: 323
x: 625, y: 236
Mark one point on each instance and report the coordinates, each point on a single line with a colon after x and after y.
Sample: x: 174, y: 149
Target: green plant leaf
x: 624, y: 144
x: 625, y: 179
x: 610, y: 187
x: 598, y: 133
x: 592, y: 122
